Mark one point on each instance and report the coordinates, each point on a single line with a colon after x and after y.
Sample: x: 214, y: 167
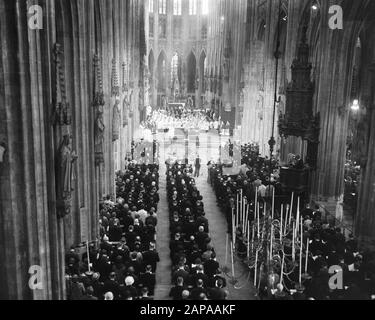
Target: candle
x: 293, y: 243
x: 291, y: 207
x: 300, y: 256
x: 248, y: 244
x: 307, y: 254
x: 88, y: 256
x: 258, y: 222
x: 298, y: 215
x: 233, y: 231
x: 252, y: 240
x: 226, y: 249
x: 273, y: 201
x: 281, y: 223
x: 256, y: 268
x: 236, y: 210
x: 286, y: 219
x: 244, y: 225
x: 271, y: 242
x: 232, y: 260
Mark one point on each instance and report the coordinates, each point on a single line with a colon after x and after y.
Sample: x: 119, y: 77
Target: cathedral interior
x: 109, y: 108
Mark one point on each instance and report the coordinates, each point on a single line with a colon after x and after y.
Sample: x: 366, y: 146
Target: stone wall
x: 32, y: 85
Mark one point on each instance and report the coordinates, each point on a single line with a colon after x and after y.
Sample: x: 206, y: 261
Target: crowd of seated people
x: 352, y: 177
x: 123, y: 263
x: 328, y: 246
x: 195, y: 273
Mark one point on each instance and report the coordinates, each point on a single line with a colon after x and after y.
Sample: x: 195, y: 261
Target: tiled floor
x: 209, y: 149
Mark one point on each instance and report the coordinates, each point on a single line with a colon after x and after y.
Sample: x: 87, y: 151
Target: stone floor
x: 243, y: 290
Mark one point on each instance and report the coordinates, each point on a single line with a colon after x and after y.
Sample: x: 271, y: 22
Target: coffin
x: 294, y: 180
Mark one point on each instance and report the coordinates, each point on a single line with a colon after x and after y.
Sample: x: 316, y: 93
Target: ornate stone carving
x: 99, y: 103
x: 125, y: 111
x: 125, y: 77
x: 116, y: 121
x: 65, y: 176
x: 62, y: 112
x: 115, y: 90
x: 299, y: 119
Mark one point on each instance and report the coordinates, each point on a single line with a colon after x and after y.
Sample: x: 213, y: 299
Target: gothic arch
x: 151, y: 63
x: 191, y: 72
x: 162, y: 72
x: 202, y: 64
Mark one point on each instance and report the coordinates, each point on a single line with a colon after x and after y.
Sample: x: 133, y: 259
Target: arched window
x: 192, y: 7
x: 151, y: 6
x: 177, y: 7
x: 205, y: 7
x: 174, y: 67
x: 162, y: 6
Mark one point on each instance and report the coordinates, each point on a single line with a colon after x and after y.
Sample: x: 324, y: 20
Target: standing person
x: 197, y: 167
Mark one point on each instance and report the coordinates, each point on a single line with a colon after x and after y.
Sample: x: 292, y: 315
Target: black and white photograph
x: 198, y: 154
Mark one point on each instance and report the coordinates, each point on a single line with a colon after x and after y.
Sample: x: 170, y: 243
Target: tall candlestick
x: 88, y: 256
x: 252, y: 239
x: 281, y: 223
x: 273, y: 201
x: 286, y: 220
x: 256, y: 268
x: 271, y: 242
x: 291, y: 208
x: 307, y: 254
x: 236, y: 221
x: 293, y: 243
x: 282, y: 269
x: 232, y: 260
x: 300, y: 256
x: 248, y: 244
x: 233, y: 229
x: 298, y: 215
x: 226, y: 249
x: 258, y: 222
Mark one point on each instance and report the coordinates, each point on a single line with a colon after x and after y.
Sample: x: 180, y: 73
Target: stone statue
x: 125, y: 110
x: 65, y: 176
x: 99, y: 128
x: 116, y: 122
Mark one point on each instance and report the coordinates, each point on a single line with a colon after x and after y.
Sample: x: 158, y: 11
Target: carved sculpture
x: 116, y: 121
x: 65, y: 157
x: 62, y: 112
x: 99, y: 103
x: 64, y: 176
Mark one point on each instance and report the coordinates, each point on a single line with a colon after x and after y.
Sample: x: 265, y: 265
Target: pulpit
x: 299, y: 119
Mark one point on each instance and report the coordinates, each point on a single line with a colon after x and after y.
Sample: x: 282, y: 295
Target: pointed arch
x: 191, y: 72
x: 151, y: 63
x: 162, y: 72
x: 202, y: 68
